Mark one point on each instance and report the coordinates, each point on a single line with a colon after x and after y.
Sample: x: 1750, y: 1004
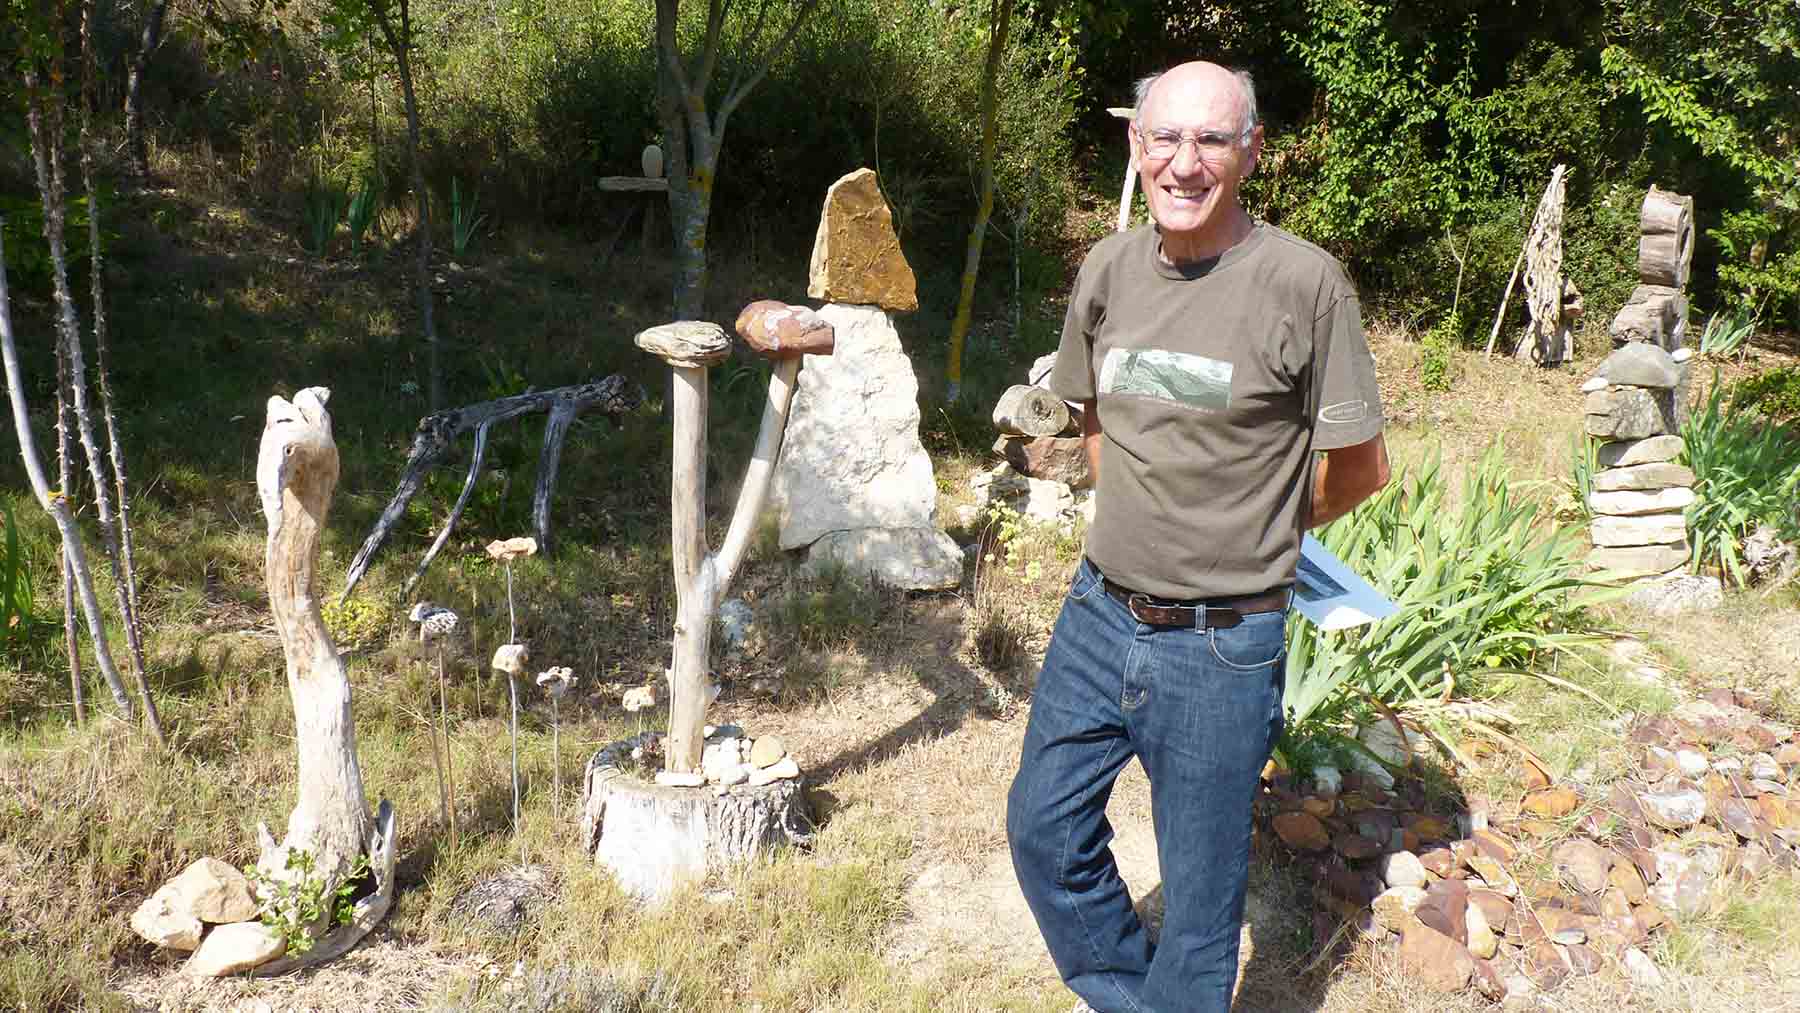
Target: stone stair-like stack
x: 1639, y: 492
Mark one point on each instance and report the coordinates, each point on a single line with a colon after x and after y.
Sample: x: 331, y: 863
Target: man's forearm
x: 1090, y: 439
x: 1345, y: 477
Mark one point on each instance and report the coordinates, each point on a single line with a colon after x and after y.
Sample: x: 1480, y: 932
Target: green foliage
x: 465, y: 219
x: 28, y: 266
x: 1436, y: 352
x: 1483, y: 586
x: 831, y: 608
x: 360, y: 622
x: 15, y: 583
x: 363, y: 209
x: 1726, y: 333
x: 1775, y: 395
x: 1584, y: 464
x: 1746, y: 473
x: 294, y: 904
x: 1753, y: 270
x: 325, y: 200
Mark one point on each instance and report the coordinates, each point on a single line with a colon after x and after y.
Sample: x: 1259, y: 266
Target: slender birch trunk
x: 149, y: 40
x: 399, y: 41
x: 1001, y: 18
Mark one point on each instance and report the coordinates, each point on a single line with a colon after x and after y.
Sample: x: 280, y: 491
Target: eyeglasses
x: 1210, y: 145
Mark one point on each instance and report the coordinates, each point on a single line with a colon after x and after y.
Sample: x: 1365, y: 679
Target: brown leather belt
x: 1207, y: 613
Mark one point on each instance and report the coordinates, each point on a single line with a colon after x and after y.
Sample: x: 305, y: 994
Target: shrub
x: 1775, y: 395
x: 1746, y: 473
x: 1482, y: 587
x: 1435, y: 359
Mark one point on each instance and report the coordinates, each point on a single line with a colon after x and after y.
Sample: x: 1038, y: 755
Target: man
x: 1213, y: 356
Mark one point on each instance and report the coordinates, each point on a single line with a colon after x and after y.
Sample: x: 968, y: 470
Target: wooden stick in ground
x: 449, y: 782
x: 1488, y: 353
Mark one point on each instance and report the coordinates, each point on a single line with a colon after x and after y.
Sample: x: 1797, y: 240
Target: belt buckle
x: 1135, y: 599
x: 1161, y: 614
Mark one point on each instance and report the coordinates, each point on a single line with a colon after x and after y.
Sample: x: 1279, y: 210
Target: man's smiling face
x: 1193, y: 193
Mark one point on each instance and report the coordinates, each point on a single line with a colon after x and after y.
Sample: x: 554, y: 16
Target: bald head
x: 1199, y: 75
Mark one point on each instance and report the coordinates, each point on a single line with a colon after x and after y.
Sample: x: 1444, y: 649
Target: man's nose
x: 1187, y: 161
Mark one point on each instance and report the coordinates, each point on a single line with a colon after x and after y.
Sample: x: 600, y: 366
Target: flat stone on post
x: 1649, y: 529
x: 1625, y: 453
x: 1640, y: 560
x: 691, y: 343
x: 780, y: 331
x: 856, y: 258
x: 1643, y: 477
x: 1630, y: 413
x: 1640, y: 364
x: 1629, y: 504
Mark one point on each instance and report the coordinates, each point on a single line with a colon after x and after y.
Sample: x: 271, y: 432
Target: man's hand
x: 1345, y: 477
x: 1090, y: 439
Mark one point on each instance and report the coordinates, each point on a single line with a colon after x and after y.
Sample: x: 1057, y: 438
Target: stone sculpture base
x: 655, y: 838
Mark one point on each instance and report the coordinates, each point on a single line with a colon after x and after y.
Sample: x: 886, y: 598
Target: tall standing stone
x: 854, y: 484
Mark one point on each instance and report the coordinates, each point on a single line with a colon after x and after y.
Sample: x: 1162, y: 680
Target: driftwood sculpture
x: 296, y: 472
x: 438, y: 432
x: 652, y: 836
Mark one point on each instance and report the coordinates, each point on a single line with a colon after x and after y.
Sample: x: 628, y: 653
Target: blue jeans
x: 1200, y: 709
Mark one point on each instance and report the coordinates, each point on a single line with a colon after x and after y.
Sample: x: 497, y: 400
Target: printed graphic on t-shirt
x: 1192, y: 380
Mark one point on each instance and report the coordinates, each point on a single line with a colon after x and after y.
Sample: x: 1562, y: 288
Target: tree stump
x: 654, y: 838
x: 1666, y: 239
x: 1025, y: 410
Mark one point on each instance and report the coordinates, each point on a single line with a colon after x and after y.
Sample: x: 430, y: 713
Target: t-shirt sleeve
x: 1072, y: 379
x: 1346, y: 399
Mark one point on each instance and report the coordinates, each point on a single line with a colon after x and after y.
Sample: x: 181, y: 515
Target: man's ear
x: 1256, y: 143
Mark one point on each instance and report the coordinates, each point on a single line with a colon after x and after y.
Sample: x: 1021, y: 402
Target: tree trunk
x: 118, y: 545
x: 296, y: 472
x: 44, y: 123
x: 149, y: 40
x: 653, y: 839
x: 695, y: 593
x: 399, y: 40
x: 1025, y: 410
x: 1000, y: 16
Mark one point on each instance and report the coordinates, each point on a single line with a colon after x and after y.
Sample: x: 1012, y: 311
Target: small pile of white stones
x: 731, y: 758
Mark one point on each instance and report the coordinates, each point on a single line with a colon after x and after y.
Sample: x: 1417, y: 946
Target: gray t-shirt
x: 1214, y: 383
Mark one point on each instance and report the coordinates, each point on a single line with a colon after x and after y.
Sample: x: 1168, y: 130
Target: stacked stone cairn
x: 1513, y: 898
x: 1043, y: 472
x: 209, y: 911
x: 854, y: 485
x: 1634, y: 406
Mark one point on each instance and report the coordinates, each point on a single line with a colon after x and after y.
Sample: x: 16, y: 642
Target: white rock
x: 1482, y: 941
x: 735, y: 775
x: 162, y: 924
x: 851, y: 459
x: 787, y: 768
x: 680, y: 778
x: 1597, y: 383
x: 1692, y: 763
x: 1682, y: 354
x: 215, y: 892
x: 1684, y: 593
x: 231, y: 948
x: 1638, y: 964
x: 1676, y: 810
x: 918, y: 558
x: 1403, y: 868
x: 1395, y: 906
x: 1327, y: 780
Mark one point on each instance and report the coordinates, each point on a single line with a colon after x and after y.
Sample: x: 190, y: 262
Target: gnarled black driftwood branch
x: 439, y: 432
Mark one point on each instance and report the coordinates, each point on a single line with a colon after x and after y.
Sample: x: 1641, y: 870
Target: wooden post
x: 296, y: 472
